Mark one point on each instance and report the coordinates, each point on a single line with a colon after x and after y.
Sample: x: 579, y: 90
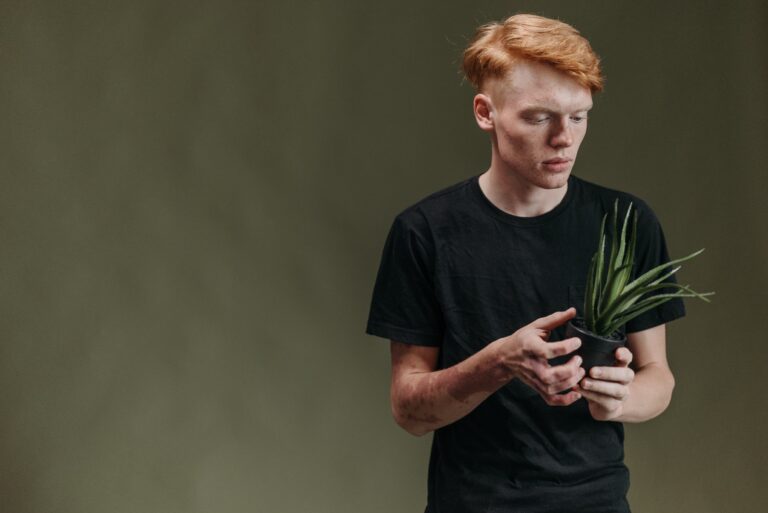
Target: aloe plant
x: 611, y: 299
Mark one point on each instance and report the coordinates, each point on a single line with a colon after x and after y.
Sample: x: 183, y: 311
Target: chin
x: 555, y: 180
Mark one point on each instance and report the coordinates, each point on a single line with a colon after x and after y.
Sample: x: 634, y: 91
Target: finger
x: 561, y: 399
x: 566, y: 384
x: 623, y: 375
x: 551, y: 350
x: 606, y: 389
x: 545, y: 390
x: 623, y: 356
x: 605, y: 402
x: 554, y: 320
x: 558, y: 373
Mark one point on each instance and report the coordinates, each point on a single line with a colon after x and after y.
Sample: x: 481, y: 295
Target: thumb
x: 623, y: 357
x: 554, y: 320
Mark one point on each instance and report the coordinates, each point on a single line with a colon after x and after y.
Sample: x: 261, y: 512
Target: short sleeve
x: 651, y: 252
x: 404, y: 306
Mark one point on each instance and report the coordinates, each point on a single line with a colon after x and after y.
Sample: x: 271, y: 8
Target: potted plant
x: 612, y: 298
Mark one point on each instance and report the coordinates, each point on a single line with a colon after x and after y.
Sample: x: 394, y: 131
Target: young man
x: 477, y: 280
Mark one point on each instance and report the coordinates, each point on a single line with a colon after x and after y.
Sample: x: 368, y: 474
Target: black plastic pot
x: 596, y: 351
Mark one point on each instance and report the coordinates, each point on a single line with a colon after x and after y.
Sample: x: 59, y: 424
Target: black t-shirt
x: 458, y: 273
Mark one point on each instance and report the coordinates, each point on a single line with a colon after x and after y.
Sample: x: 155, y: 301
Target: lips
x: 558, y: 165
x: 558, y: 160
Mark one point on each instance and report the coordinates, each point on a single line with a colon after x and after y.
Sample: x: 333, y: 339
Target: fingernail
x: 596, y: 373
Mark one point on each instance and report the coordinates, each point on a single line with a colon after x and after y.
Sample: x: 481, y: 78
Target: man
x: 477, y: 280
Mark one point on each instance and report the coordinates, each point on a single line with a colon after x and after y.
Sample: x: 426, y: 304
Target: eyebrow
x: 541, y: 108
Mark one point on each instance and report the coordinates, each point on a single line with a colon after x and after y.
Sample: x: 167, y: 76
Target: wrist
x: 503, y: 369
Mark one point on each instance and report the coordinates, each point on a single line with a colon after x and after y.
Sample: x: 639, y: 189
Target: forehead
x: 537, y: 85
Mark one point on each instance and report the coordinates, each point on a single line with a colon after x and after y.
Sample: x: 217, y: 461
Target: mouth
x: 557, y: 160
x: 558, y: 165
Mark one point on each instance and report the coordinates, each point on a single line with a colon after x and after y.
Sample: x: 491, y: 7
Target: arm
x: 621, y: 394
x: 424, y: 399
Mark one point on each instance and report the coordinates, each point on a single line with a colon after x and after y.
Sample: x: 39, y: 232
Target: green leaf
x: 626, y: 300
x: 609, y: 298
x: 649, y: 276
x: 614, y: 248
x: 633, y: 238
x: 612, y: 296
x: 652, y: 302
x: 589, y: 312
x: 629, y: 296
x: 623, y: 239
x: 597, y: 278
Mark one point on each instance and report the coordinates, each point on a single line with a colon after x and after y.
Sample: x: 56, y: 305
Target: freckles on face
x: 541, y: 120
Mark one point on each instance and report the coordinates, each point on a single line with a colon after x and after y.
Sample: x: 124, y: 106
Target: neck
x: 518, y: 197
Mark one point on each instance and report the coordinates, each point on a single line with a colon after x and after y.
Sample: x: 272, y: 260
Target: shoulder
x: 604, y: 197
x: 434, y: 207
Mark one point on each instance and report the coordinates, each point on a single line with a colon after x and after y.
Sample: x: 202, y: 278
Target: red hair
x: 497, y: 46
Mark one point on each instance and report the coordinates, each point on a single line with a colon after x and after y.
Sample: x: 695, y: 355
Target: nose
x: 561, y: 136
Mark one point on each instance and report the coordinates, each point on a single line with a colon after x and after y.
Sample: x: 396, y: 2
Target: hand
x: 525, y: 354
x: 607, y: 388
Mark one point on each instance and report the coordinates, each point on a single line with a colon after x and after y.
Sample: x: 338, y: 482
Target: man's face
x: 537, y: 119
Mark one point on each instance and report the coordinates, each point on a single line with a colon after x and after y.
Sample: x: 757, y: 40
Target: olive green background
x: 193, y: 203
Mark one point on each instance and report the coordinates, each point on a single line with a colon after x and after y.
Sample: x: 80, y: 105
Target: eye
x: 538, y: 120
x: 578, y: 119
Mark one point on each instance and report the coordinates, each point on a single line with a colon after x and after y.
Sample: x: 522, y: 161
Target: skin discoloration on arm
x: 463, y: 385
x: 417, y: 393
x: 425, y: 398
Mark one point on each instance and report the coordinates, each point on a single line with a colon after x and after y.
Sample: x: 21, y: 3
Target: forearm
x: 425, y: 401
x: 649, y: 394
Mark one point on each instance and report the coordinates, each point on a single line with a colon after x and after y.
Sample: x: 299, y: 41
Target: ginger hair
x: 498, y: 45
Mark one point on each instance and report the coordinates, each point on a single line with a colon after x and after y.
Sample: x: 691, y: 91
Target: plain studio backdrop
x: 194, y: 200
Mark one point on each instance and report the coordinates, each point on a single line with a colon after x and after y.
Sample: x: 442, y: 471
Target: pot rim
x: 617, y: 337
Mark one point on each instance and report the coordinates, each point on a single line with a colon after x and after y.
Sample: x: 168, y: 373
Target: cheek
x: 581, y: 134
x: 521, y: 143
x: 515, y: 149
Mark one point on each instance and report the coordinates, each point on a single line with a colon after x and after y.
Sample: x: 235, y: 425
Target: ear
x: 484, y: 112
